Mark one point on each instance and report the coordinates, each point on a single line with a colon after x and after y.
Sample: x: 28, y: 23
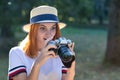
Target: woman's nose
x: 48, y: 34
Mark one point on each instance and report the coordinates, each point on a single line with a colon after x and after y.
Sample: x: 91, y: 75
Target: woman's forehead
x: 47, y: 24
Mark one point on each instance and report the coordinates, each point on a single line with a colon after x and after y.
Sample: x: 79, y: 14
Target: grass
x: 90, y: 45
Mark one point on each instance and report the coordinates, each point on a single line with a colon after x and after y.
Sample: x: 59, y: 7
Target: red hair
x: 30, y: 47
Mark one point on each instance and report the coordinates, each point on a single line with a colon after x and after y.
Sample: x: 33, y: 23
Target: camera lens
x: 65, y: 53
x: 66, y: 58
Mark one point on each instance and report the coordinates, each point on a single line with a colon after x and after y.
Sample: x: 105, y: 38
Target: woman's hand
x: 45, y: 54
x: 71, y: 47
x: 70, y: 71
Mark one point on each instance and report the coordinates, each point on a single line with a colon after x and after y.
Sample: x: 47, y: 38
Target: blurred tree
x: 75, y: 11
x: 5, y: 19
x: 16, y: 12
x: 100, y: 10
x: 113, y: 45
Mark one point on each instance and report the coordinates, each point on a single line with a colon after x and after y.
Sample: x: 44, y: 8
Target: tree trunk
x: 113, y: 44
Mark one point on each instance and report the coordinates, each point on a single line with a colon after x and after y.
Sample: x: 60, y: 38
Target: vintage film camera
x: 66, y: 55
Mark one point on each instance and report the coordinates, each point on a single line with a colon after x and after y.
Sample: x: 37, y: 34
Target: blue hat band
x: 44, y: 17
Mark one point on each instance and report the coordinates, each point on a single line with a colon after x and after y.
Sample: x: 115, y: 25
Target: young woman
x: 32, y: 60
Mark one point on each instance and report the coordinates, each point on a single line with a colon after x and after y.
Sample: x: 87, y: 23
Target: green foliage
x: 16, y: 12
x: 74, y: 11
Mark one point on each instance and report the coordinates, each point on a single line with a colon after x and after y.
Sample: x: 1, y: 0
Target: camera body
x: 63, y: 50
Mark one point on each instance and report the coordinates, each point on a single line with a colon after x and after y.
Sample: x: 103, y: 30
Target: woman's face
x: 46, y: 32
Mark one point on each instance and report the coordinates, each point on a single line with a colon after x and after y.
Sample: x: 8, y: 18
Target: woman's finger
x: 71, y: 46
x: 50, y: 46
x: 51, y: 53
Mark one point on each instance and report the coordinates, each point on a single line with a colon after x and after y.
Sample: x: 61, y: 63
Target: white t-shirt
x: 19, y: 62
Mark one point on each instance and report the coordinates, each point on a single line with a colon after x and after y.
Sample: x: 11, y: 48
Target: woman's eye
x: 42, y: 28
x: 53, y: 28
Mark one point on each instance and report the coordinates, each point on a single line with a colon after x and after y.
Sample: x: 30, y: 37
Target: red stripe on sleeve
x: 16, y: 72
x: 64, y: 71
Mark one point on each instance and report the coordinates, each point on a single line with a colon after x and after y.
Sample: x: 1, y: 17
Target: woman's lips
x: 46, y: 40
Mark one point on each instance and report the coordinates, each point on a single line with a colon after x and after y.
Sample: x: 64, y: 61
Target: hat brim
x: 26, y: 27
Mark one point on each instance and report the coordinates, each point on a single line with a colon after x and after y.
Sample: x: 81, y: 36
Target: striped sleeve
x: 64, y: 70
x: 17, y: 70
x: 16, y: 64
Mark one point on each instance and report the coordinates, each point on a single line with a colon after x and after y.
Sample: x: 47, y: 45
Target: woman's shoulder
x: 16, y: 50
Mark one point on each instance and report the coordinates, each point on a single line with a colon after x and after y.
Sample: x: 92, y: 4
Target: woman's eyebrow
x: 46, y: 26
x: 54, y: 25
x: 43, y: 25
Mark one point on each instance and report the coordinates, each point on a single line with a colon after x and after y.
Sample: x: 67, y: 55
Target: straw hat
x: 43, y: 14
